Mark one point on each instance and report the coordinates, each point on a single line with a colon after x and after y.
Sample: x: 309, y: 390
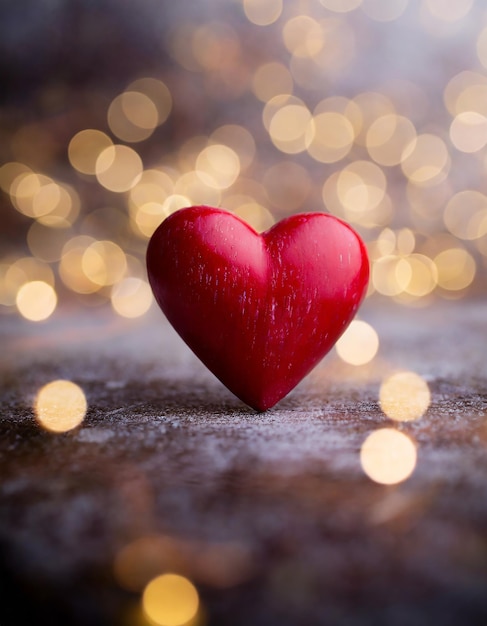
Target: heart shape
x: 260, y: 311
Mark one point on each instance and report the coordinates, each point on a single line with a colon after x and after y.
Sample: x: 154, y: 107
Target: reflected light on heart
x: 359, y: 343
x: 60, y: 406
x: 170, y: 600
x: 404, y: 396
x: 388, y: 456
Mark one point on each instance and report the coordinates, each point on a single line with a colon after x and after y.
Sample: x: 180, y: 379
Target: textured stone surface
x: 300, y: 533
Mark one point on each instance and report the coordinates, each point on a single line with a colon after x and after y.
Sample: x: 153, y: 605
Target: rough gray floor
x: 303, y: 536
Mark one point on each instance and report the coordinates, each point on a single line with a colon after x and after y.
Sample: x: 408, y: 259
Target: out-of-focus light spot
x: 198, y: 188
x: 465, y: 214
x: 292, y: 128
x: 118, y: 168
x: 132, y: 116
x: 388, y: 456
x: 276, y: 103
x: 63, y: 211
x: 60, y: 406
x: 352, y: 194
x: 359, y: 343
x: 384, y: 10
x: 426, y: 159
x: 38, y: 196
x: 104, y: 222
x: 472, y: 98
x: 103, y: 263
x: 170, y: 600
x: 482, y: 47
x: 332, y: 139
x: 386, y: 243
x: 387, y: 138
x: 257, y: 216
x: 468, y: 131
x: 159, y: 94
x: 238, y: 139
x: 131, y: 297
x: 262, y: 12
x: 85, y: 148
x: 423, y: 275
x: 372, y: 106
x: 32, y: 269
x: 466, y: 92
x: 220, y: 565
x: 287, y: 185
x: 36, y: 300
x: 16, y: 272
x: 390, y: 275
x: 272, y: 79
x: 341, y: 6
x: 449, y: 11
x: 404, y: 397
x: 218, y: 166
x: 71, y: 265
x: 360, y: 190
x: 329, y: 46
x: 146, y: 201
x: 406, y: 241
x: 10, y: 281
x: 26, y: 187
x: 217, y: 51
x: 46, y: 243
x: 174, y: 202
x: 348, y: 108
x: 9, y: 172
x: 456, y: 269
x: 137, y: 563
x: 303, y: 36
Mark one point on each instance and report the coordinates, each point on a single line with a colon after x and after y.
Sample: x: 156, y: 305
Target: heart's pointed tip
x: 261, y: 405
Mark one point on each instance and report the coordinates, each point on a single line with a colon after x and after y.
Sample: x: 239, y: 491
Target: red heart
x: 260, y: 311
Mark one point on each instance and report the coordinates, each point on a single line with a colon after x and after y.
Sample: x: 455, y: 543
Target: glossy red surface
x: 260, y: 311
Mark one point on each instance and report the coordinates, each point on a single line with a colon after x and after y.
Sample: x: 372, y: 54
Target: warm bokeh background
x: 115, y: 114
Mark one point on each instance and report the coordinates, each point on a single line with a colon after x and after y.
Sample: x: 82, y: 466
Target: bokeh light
x: 170, y: 600
x: 131, y: 297
x: 359, y: 343
x: 60, y: 406
x: 36, y: 300
x: 404, y: 396
x: 132, y: 116
x: 272, y: 109
x: 388, y: 456
x: 85, y: 148
x: 118, y: 168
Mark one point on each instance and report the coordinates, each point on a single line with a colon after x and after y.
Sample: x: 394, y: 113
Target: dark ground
x: 301, y: 535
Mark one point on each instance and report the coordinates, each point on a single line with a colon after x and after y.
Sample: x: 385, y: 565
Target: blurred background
x: 116, y: 113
